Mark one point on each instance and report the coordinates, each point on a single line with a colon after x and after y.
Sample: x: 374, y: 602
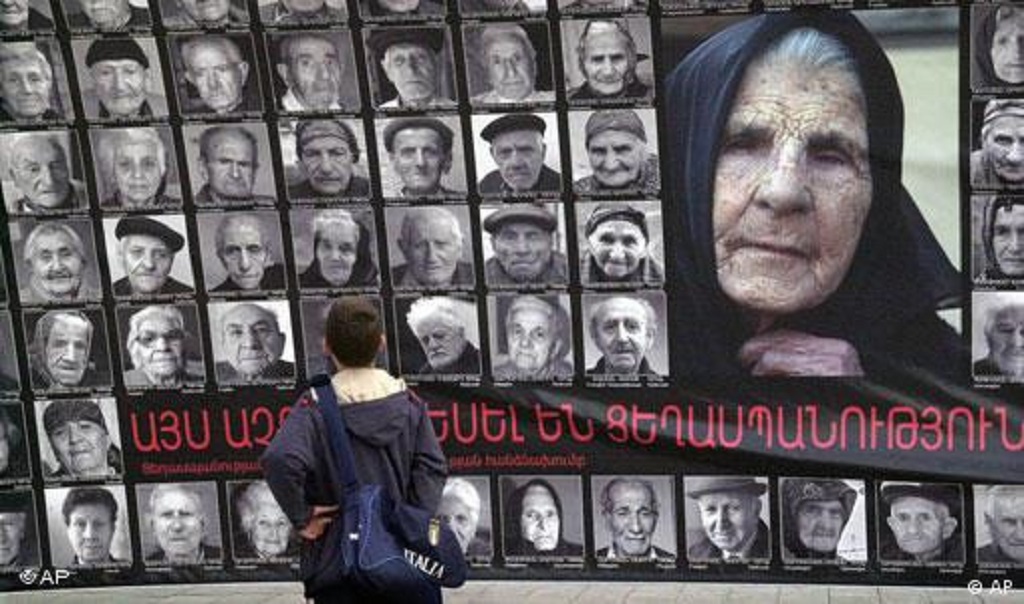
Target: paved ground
x: 536, y: 592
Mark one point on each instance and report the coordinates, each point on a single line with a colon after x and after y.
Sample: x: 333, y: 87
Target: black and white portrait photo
x: 324, y: 159
x: 502, y: 8
x: 614, y: 152
x: 204, y: 14
x: 68, y: 349
x: 727, y: 519
x: 335, y: 248
x: 581, y: 7
x: 136, y: 169
x: 438, y: 337
x: 242, y: 252
x: 314, y: 71
x: 625, y: 335
x: 89, y: 527
x: 530, y: 337
x: 19, y: 536
x: 230, y: 164
x: 253, y: 342
x: 41, y: 173
x: 14, y: 454
x: 410, y: 67
x: 277, y: 13
x: 524, y: 246
x: 260, y: 531
x: 509, y: 63
x: 57, y: 260
x: 466, y: 506
x: 430, y: 247
x: 10, y: 383
x: 634, y: 519
x: 608, y: 59
x: 120, y: 78
x: 920, y: 524
x: 997, y: 344
x: 997, y: 45
x: 107, y: 15
x: 517, y: 154
x: 398, y: 10
x: 997, y: 130
x: 421, y: 157
x: 21, y: 17
x: 620, y: 243
x: 179, y: 523
x: 314, y: 316
x: 998, y: 518
x: 79, y: 439
x: 161, y: 346
x: 215, y: 75
x: 997, y: 234
x: 823, y: 521
x: 542, y: 518
x: 33, y: 82
x: 148, y: 256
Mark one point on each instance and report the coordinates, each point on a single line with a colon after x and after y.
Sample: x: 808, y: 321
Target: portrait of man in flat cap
x: 107, y: 15
x: 614, y: 152
x: 410, y: 67
x: 422, y: 157
x: 324, y: 159
x: 920, y: 523
x: 120, y: 78
x: 41, y: 173
x: 519, y: 154
x: 620, y: 243
x: 728, y: 519
x: 148, y: 256
x: 526, y: 246
x: 818, y: 521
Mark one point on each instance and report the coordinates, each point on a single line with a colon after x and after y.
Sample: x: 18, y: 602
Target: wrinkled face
x: 106, y: 14
x: 39, y: 170
x: 792, y: 188
x: 616, y: 157
x: 920, y: 526
x: 631, y: 520
x: 606, y: 61
x: 336, y: 251
x: 25, y: 86
x: 327, y: 163
x: 1003, y: 144
x: 5, y: 448
x: 206, y: 11
x: 13, y: 14
x: 147, y: 262
x: 230, y: 169
x: 1008, y: 49
x: 461, y: 519
x: 303, y: 6
x: 56, y: 267
x: 623, y: 334
x: 399, y: 6
x: 531, y: 341
x: 539, y: 523
x: 1006, y: 341
x: 121, y: 85
x: 412, y: 69
x: 67, y: 350
x: 523, y: 249
x: 81, y: 447
x: 245, y: 254
x: 520, y: 157
x: 1006, y: 525
x: 510, y: 69
x: 420, y: 160
x: 12, y: 531
x: 820, y: 524
x: 218, y: 74
x: 618, y: 246
x: 178, y: 524
x: 159, y: 349
x: 90, y: 531
x: 442, y: 342
x: 314, y: 72
x: 252, y: 340
x: 1008, y: 240
x: 432, y: 251
x: 270, y: 529
x: 498, y: 5
x: 139, y: 171
x: 729, y: 518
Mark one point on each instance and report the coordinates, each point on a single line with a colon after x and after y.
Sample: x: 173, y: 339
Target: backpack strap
x: 337, y: 434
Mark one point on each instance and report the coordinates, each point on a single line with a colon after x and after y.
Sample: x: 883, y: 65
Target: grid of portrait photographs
x: 997, y: 194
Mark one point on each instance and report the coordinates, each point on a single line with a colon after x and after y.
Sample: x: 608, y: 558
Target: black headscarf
x: 992, y: 207
x: 984, y: 30
x: 364, y: 272
x: 899, y: 275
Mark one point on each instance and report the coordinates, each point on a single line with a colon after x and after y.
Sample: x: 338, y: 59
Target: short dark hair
x: 89, y: 496
x: 353, y: 331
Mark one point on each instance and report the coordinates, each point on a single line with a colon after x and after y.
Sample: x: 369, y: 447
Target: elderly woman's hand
x: 787, y: 352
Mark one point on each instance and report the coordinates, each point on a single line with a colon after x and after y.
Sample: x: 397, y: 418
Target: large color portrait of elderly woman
x: 820, y: 230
